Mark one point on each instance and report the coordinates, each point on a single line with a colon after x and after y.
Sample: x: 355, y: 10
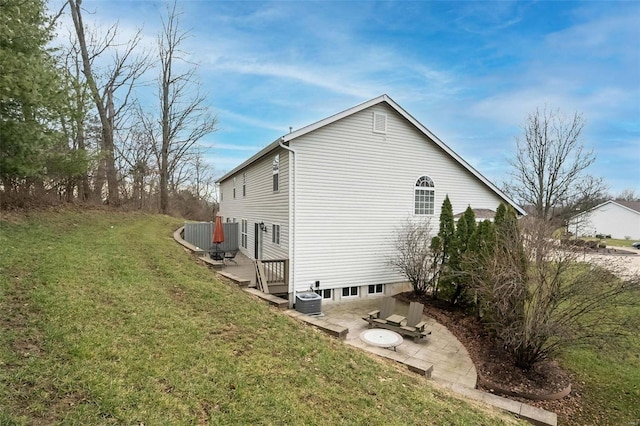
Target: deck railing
x: 276, y: 275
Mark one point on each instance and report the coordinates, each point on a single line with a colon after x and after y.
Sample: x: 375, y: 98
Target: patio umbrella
x: 218, y: 233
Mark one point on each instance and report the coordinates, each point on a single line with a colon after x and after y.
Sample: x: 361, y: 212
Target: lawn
x: 106, y: 320
x: 608, y: 379
x: 613, y: 242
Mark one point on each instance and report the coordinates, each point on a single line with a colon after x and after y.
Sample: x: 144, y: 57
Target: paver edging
x: 534, y: 415
x: 496, y: 389
x: 270, y: 298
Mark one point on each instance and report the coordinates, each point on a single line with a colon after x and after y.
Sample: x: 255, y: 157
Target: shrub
x: 537, y: 298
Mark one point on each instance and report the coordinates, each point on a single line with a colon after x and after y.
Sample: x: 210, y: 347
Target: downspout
x: 292, y: 220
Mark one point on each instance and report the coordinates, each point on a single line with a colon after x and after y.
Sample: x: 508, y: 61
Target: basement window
x: 376, y: 289
x: 325, y: 293
x: 350, y: 291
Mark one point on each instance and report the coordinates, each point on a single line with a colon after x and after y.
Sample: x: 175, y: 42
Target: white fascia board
x: 383, y: 98
x: 452, y: 153
x: 258, y: 155
x: 604, y: 204
x: 623, y: 206
x: 335, y: 117
x: 303, y: 131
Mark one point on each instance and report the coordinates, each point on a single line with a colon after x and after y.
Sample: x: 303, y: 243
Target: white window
x: 376, y: 289
x: 234, y: 187
x: 424, y: 196
x: 349, y: 291
x: 325, y: 293
x: 276, y: 172
x: 243, y: 233
x: 275, y: 234
x: 228, y: 220
x: 244, y: 184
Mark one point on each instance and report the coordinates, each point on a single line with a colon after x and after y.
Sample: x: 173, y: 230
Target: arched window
x: 424, y: 196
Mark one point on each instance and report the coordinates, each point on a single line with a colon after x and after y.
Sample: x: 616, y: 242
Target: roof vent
x: 379, y: 122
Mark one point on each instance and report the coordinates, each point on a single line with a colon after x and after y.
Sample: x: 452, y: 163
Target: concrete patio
x: 450, y: 360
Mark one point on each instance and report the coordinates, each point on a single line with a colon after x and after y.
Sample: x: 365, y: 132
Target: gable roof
x: 353, y: 110
x: 480, y: 214
x: 633, y: 206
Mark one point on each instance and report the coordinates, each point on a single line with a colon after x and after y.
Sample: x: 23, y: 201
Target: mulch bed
x: 496, y: 365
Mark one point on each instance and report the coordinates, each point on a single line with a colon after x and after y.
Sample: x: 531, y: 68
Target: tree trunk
x: 103, y: 113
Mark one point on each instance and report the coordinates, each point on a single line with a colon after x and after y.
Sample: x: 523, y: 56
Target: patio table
x: 395, y: 319
x: 381, y: 337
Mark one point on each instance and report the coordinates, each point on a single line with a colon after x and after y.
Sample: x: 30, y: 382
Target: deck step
x: 331, y: 329
x: 242, y: 282
x: 278, y: 302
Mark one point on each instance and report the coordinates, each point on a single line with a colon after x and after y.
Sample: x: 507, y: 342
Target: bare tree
x: 121, y: 76
x: 203, y: 182
x: 549, y: 170
x: 135, y: 153
x: 544, y: 300
x: 185, y: 117
x: 418, y: 255
x: 628, y: 194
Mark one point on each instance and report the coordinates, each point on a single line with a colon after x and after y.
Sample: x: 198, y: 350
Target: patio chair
x: 415, y: 325
x: 231, y: 255
x: 385, y: 311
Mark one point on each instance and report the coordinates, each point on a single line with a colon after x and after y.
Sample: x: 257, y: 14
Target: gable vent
x: 379, y: 123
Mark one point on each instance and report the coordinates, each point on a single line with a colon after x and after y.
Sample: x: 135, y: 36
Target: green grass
x: 105, y: 320
x: 618, y: 242
x: 608, y: 379
x: 612, y: 241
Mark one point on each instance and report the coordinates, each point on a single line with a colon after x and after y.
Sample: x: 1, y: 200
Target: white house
x: 620, y: 219
x: 330, y: 197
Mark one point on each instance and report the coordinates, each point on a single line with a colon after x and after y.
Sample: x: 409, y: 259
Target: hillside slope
x: 105, y: 320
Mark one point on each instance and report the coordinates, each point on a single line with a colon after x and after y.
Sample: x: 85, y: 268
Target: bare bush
x: 418, y: 255
x: 537, y: 298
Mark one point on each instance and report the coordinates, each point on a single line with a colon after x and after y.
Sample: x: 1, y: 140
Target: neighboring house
x: 330, y: 197
x: 620, y: 219
x: 480, y: 215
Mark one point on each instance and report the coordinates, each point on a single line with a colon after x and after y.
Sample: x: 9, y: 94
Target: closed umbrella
x: 218, y: 235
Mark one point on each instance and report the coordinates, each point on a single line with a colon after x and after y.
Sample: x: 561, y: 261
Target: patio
x: 450, y: 360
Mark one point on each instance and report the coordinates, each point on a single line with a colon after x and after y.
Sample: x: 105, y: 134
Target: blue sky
x: 468, y: 71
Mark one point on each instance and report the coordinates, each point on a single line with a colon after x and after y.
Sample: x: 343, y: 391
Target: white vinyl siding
x: 262, y: 204
x: 609, y: 218
x: 355, y: 188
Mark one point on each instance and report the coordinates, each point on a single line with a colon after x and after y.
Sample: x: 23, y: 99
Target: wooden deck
x: 243, y: 269
x: 243, y: 272
x: 273, y: 273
